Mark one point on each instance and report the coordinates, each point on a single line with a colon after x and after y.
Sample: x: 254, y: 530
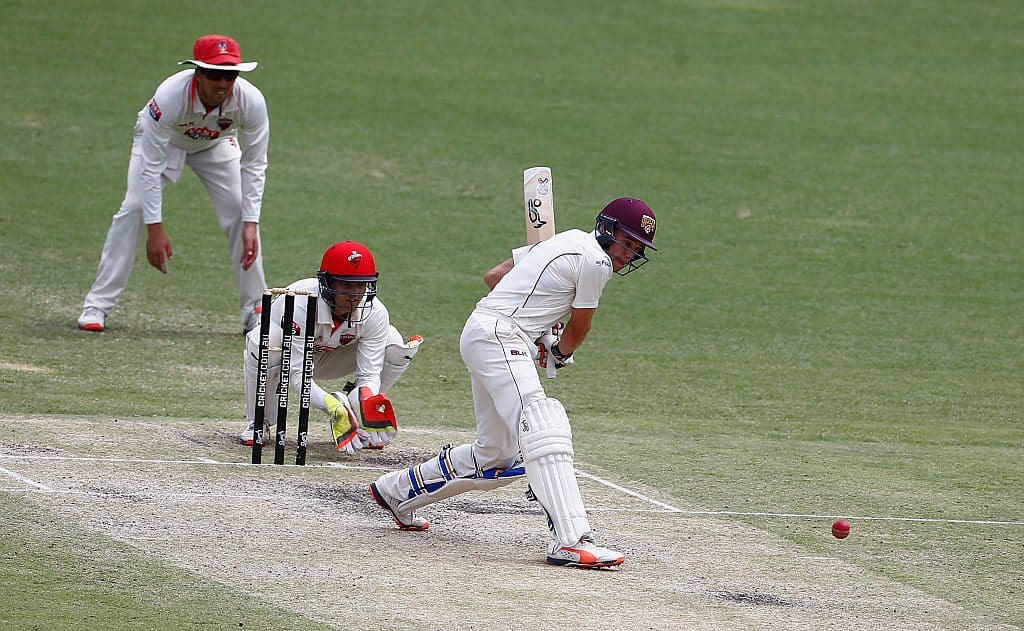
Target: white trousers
x: 504, y: 380
x: 218, y: 169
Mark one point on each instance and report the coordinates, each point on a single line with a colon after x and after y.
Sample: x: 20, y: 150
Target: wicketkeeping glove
x: 344, y: 427
x: 377, y: 417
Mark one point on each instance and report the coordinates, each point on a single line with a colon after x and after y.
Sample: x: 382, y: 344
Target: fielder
x: 520, y: 431
x: 353, y: 336
x: 210, y: 119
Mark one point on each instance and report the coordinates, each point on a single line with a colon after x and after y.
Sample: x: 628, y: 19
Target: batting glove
x: 548, y: 357
x: 561, y: 359
x: 378, y: 423
x: 344, y: 427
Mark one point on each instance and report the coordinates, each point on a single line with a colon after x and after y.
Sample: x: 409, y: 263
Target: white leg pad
x: 545, y: 439
x: 437, y: 479
x: 397, y: 358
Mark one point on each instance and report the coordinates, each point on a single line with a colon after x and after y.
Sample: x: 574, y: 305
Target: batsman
x: 519, y: 429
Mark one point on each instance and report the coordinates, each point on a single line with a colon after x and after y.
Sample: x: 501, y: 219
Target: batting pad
x: 545, y: 440
x: 437, y: 479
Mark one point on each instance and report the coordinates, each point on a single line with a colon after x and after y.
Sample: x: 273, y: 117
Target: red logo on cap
x: 355, y: 258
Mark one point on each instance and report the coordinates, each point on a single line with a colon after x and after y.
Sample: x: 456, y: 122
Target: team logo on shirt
x: 154, y: 110
x: 224, y: 123
x: 202, y: 133
x: 347, y: 339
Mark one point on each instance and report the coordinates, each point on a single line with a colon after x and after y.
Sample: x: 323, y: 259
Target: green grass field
x: 833, y: 323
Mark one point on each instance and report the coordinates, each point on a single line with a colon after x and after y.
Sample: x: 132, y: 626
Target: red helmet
x: 633, y: 217
x: 349, y: 262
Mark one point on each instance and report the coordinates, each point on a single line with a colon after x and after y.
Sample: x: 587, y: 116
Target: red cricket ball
x: 840, y: 529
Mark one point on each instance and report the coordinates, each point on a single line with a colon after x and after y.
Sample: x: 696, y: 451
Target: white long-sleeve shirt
x: 175, y: 123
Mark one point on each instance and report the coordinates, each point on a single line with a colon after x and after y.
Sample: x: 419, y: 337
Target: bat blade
x: 540, y: 204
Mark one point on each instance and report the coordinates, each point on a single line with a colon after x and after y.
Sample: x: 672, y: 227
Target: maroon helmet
x: 633, y: 217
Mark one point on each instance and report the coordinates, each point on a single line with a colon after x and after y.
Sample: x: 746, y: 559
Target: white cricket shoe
x: 92, y: 319
x: 585, y: 554
x: 405, y: 521
x: 247, y: 434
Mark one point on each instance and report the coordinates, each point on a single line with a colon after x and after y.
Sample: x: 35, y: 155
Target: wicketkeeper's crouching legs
x: 398, y: 355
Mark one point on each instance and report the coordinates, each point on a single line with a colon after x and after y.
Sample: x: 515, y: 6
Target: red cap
x: 218, y: 52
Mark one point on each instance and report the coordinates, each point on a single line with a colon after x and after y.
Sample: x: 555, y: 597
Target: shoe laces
x: 585, y: 540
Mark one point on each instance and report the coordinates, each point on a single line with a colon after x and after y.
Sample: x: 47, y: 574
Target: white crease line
x: 722, y: 513
x: 21, y: 478
x: 171, y: 496
x: 337, y: 465
x: 208, y: 461
x: 639, y: 496
x: 921, y: 520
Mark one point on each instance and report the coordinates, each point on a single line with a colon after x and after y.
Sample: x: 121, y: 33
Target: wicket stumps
x: 284, y: 383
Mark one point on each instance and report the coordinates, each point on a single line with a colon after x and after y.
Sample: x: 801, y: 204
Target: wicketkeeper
x: 353, y: 338
x: 520, y: 430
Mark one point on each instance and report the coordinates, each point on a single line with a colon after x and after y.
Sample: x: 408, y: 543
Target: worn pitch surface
x: 183, y: 491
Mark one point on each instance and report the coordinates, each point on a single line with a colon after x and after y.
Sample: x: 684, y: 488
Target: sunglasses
x: 217, y: 75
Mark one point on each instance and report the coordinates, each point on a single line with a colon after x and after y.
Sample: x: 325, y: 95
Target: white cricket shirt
x: 549, y: 279
x: 175, y: 122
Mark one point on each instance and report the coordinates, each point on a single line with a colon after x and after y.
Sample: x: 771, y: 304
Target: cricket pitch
x: 184, y: 492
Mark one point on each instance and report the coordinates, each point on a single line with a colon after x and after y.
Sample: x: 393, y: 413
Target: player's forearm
x: 253, y: 183
x: 316, y: 396
x: 572, y: 339
x: 576, y: 330
x: 494, y: 276
x: 255, y: 140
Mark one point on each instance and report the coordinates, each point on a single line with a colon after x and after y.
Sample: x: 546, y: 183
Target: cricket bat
x: 540, y: 218
x: 540, y: 204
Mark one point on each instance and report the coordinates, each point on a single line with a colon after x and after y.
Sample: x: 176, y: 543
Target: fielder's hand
x: 378, y: 422
x: 158, y: 247
x: 344, y: 427
x: 250, y: 244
